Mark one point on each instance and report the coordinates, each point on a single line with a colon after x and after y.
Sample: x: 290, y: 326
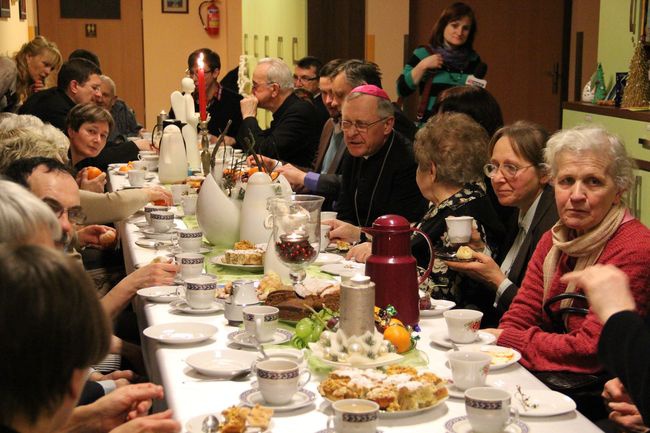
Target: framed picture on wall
x: 174, y: 6
x: 22, y: 6
x: 5, y: 9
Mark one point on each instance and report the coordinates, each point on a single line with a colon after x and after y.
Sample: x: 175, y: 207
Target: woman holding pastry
x: 519, y: 179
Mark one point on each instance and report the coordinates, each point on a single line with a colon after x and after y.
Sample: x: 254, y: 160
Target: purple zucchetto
x: 371, y: 89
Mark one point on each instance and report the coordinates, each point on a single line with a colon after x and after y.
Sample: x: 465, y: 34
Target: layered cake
x: 397, y: 388
x: 244, y: 253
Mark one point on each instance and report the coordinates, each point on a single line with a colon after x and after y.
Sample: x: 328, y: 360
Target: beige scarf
x: 586, y: 247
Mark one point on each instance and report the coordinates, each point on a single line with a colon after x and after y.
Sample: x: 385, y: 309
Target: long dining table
x: 191, y: 395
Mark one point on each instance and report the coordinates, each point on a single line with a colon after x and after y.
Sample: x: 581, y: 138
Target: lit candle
x: 202, y: 96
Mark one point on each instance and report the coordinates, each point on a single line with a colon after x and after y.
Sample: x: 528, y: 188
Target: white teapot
x: 172, y: 164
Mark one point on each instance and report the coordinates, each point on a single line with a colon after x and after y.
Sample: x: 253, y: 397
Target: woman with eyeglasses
x: 520, y: 179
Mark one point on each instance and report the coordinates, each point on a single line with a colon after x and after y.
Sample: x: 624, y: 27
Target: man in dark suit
x: 379, y: 168
x: 306, y: 76
x: 293, y: 134
x: 325, y: 179
x: 78, y: 82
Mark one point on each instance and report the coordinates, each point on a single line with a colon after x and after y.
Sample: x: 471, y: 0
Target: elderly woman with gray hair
x: 590, y: 173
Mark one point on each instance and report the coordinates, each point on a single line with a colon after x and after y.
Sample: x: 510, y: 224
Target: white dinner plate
x: 502, y: 357
x: 195, y: 425
x: 300, y: 399
x: 180, y: 333
x: 345, y: 268
x: 327, y: 259
x: 182, y: 306
x: 441, y: 338
x: 387, y: 359
x: 223, y: 363
x: 545, y: 402
x: 243, y: 338
x: 461, y: 425
x: 218, y: 260
x: 159, y: 293
x: 438, y: 306
x: 141, y: 224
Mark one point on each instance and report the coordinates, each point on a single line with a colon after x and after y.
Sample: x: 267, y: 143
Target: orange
x: 394, y: 321
x: 399, y: 336
x: 93, y: 172
x: 125, y: 168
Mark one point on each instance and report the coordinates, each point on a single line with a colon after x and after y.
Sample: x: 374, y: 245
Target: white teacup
x: 161, y: 221
x: 152, y: 161
x: 328, y: 215
x: 189, y: 203
x: 136, y: 177
x: 324, y: 236
x: 261, y: 321
x: 279, y: 379
x: 191, y: 264
x: 139, y: 165
x: 488, y: 409
x: 469, y: 369
x: 463, y: 325
x: 178, y: 191
x: 354, y: 415
x: 152, y: 208
x: 199, y: 291
x: 459, y: 229
x: 190, y: 240
x: 143, y: 153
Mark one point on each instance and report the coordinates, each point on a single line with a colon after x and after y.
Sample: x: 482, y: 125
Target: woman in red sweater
x: 590, y: 172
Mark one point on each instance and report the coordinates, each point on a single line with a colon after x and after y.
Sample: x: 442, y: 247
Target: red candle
x: 202, y: 96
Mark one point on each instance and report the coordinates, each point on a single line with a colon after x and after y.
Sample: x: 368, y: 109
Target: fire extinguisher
x: 212, y: 18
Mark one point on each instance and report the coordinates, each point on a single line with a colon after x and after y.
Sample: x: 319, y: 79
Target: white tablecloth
x: 188, y: 397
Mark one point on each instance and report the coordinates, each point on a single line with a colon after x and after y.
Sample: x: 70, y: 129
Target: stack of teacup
x: 488, y: 409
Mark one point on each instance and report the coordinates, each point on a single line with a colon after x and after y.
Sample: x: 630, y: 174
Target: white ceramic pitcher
x: 172, y: 165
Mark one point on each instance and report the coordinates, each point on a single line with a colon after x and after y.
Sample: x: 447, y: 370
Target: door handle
x: 294, y: 50
x: 645, y: 143
x: 555, y: 78
x: 246, y: 43
x: 280, y: 47
x: 255, y: 52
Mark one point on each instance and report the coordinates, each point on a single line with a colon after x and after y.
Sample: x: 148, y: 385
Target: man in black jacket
x: 78, y: 82
x: 379, y: 168
x: 293, y: 134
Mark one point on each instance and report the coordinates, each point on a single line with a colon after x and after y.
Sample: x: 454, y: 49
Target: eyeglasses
x: 195, y: 73
x: 361, y: 127
x: 304, y: 78
x: 75, y: 213
x: 255, y: 85
x: 509, y: 171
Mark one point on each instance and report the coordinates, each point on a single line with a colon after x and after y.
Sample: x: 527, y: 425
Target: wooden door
x: 118, y: 44
x: 525, y: 44
x: 336, y: 29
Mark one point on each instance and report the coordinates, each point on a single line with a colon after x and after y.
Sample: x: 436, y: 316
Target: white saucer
x: 152, y: 243
x: 181, y: 305
x: 441, y: 338
x: 327, y: 258
x: 549, y: 403
x: 508, y: 356
x: 331, y: 430
x: 453, y: 391
x: 300, y: 399
x: 142, y: 224
x: 180, y: 333
x: 438, y: 306
x: 243, y: 338
x: 218, y: 260
x: 150, y: 233
x: 159, y: 293
x: 345, y: 268
x: 462, y: 425
x: 223, y: 363
x: 202, y: 250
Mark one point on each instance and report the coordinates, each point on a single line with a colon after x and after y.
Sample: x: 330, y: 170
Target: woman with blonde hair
x: 25, y: 73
